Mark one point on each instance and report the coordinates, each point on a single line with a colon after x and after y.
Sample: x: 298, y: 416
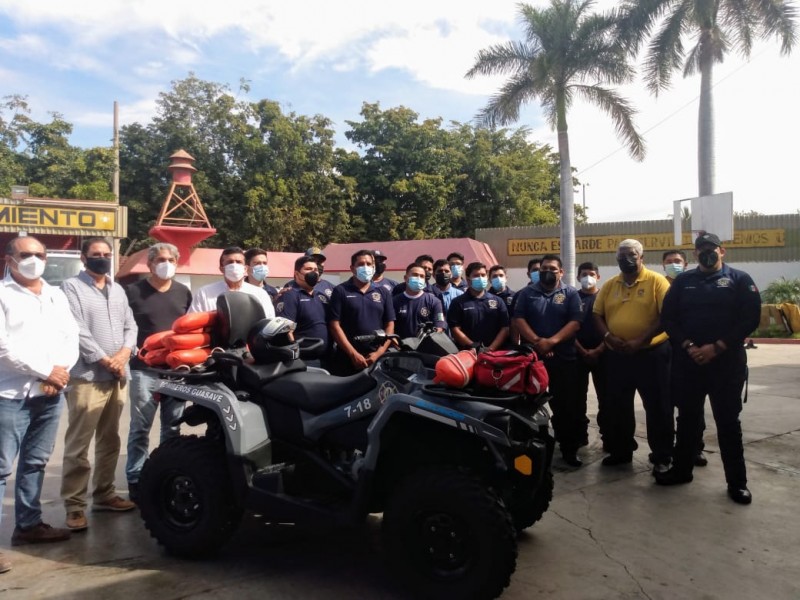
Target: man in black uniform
x: 707, y: 313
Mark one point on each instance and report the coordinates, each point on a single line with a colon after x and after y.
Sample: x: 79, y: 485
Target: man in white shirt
x: 234, y: 269
x: 38, y: 347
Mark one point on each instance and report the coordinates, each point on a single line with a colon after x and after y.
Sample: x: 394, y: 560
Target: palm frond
x: 665, y: 52
x: 511, y: 57
x: 736, y: 17
x: 621, y: 113
x: 778, y: 18
x: 503, y: 107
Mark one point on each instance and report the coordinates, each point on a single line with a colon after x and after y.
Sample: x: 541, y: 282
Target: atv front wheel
x: 526, y: 508
x: 449, y: 536
x: 185, y: 496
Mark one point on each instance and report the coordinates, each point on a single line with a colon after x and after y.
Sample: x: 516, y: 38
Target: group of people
x: 674, y: 339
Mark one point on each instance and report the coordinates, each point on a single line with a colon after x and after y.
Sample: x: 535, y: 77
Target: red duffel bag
x: 515, y: 371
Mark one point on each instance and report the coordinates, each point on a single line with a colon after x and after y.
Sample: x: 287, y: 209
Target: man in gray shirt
x: 99, y: 384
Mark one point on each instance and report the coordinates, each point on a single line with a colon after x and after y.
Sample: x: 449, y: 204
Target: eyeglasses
x: 39, y: 255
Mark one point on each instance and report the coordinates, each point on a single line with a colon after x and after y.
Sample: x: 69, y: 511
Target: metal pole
x: 115, y: 184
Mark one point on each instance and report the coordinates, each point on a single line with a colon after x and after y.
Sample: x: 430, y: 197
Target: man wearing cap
x: 323, y: 287
x: 380, y: 269
x: 627, y: 314
x: 708, y: 312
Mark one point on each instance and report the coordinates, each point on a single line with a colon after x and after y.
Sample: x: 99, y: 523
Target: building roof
x: 205, y: 261
x: 401, y: 253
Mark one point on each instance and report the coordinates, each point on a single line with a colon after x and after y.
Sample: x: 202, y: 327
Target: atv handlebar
x: 379, y: 335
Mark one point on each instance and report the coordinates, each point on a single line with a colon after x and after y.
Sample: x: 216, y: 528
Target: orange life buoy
x: 191, y: 321
x: 155, y: 341
x: 456, y: 370
x: 189, y: 356
x: 184, y: 341
x: 154, y: 358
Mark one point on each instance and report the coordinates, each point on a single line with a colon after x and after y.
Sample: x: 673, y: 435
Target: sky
x: 329, y: 56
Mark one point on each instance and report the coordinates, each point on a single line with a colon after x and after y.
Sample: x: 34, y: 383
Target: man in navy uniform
x: 358, y: 307
x: 708, y: 312
x: 547, y: 315
x: 456, y: 262
x: 478, y: 317
x: 305, y: 305
x: 415, y: 306
x: 497, y: 277
x: 380, y: 269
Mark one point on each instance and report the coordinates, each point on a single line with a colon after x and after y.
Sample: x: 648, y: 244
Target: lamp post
x: 583, y: 186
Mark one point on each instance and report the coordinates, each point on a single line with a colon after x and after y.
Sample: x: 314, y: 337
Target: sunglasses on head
x: 39, y: 255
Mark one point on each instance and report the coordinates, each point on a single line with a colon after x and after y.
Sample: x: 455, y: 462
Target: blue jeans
x: 143, y: 413
x: 27, y: 427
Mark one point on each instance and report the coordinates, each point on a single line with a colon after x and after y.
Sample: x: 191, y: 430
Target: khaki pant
x: 94, y: 409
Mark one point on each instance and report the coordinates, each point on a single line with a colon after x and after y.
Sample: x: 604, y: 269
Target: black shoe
x: 740, y: 495
x: 700, y: 460
x: 571, y: 458
x: 613, y: 460
x: 133, y: 491
x: 673, y: 477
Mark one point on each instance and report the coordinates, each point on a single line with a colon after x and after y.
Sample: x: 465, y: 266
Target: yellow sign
x: 62, y: 218
x: 749, y: 238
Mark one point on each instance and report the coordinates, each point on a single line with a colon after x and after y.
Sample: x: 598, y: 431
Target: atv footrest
x: 270, y: 478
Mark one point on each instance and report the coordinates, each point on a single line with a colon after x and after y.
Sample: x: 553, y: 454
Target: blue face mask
x: 673, y: 270
x: 416, y: 284
x: 365, y: 273
x: 259, y: 272
x: 456, y: 270
x: 498, y: 283
x: 479, y: 283
x: 534, y: 277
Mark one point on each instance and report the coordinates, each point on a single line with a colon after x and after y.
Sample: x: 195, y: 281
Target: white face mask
x: 234, y: 272
x: 165, y: 270
x: 31, y: 267
x: 588, y: 282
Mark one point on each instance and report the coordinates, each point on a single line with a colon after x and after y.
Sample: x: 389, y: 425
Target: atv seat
x: 317, y: 393
x: 254, y: 377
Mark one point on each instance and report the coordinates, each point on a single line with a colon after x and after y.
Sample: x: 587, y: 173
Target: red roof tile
x: 205, y: 261
x: 401, y: 253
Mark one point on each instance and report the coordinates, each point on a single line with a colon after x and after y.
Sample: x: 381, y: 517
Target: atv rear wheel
x: 449, y: 535
x: 185, y: 496
x: 527, y: 508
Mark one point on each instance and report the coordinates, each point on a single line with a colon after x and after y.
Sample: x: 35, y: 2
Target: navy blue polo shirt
x: 463, y: 285
x: 481, y: 319
x: 508, y: 297
x: 588, y: 335
x: 309, y: 311
x: 387, y: 284
x: 706, y: 307
x: 360, y: 313
x: 412, y: 312
x: 431, y: 289
x: 547, y: 312
x: 323, y: 289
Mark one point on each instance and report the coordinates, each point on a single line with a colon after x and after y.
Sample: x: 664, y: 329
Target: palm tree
x: 718, y: 26
x: 568, y: 52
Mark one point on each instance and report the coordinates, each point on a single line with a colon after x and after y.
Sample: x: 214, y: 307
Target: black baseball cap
x: 316, y: 252
x: 379, y: 255
x: 707, y: 238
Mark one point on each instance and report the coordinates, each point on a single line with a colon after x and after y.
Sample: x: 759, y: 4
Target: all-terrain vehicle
x: 450, y: 472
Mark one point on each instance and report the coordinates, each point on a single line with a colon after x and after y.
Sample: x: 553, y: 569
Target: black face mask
x: 547, y: 278
x: 380, y: 267
x: 628, y: 264
x: 707, y: 258
x: 443, y: 278
x: 311, y: 278
x: 98, y: 264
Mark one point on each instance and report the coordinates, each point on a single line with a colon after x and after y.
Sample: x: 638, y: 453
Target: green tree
x: 716, y: 27
x: 568, y: 52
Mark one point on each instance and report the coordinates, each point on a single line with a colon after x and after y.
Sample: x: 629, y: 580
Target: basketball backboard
x: 712, y: 213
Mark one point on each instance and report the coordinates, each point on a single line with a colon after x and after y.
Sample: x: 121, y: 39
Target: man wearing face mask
x: 258, y: 271
x: 497, y: 277
x: 548, y: 315
x: 478, y: 317
x: 323, y: 288
x: 708, y: 313
x: 674, y: 263
x: 534, y: 265
x: 456, y: 262
x: 99, y: 384
x: 155, y: 302
x: 380, y: 269
x: 415, y: 306
x: 38, y: 346
x: 233, y: 268
x: 306, y: 306
x: 627, y: 313
x: 446, y: 291
x: 358, y: 308
x: 590, y: 346
x: 426, y: 262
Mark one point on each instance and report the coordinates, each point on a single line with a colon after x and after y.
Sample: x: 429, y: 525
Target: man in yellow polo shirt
x: 627, y: 313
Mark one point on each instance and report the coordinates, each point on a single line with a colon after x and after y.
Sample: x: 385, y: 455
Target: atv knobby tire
x: 526, y: 508
x: 449, y: 535
x: 185, y: 496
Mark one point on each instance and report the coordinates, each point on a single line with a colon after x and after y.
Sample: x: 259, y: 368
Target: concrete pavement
x: 610, y: 533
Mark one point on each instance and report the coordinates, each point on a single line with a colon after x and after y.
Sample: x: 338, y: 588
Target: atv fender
x: 244, y: 423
